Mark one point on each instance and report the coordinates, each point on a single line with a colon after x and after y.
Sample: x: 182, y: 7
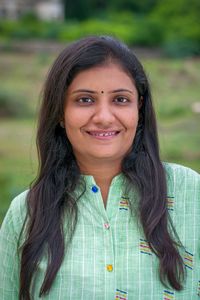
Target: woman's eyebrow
x: 84, y: 91
x: 122, y: 90
x: 96, y: 92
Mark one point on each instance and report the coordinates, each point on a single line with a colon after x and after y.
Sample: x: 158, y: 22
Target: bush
x: 77, y: 30
x: 179, y: 23
x: 130, y: 29
x: 148, y: 33
x: 165, y: 26
x: 180, y: 48
x: 13, y: 105
x: 28, y: 29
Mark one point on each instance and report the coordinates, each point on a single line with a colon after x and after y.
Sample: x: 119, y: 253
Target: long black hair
x: 51, y: 195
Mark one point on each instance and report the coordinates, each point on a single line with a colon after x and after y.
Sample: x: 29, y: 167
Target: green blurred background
x: 165, y: 35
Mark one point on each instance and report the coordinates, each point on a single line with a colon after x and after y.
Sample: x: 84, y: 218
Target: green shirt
x: 109, y: 257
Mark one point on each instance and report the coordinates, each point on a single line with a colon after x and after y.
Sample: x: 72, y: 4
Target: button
x: 109, y: 268
x: 95, y: 189
x: 106, y: 225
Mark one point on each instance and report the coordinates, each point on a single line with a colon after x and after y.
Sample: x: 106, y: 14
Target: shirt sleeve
x: 9, y: 256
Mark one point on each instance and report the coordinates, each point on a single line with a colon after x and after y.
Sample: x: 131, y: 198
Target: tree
x: 77, y: 9
x: 135, y: 6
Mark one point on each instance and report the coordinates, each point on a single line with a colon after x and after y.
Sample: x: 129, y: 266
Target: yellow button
x: 109, y: 268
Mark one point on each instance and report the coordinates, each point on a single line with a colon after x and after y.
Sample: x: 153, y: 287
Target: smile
x: 103, y: 134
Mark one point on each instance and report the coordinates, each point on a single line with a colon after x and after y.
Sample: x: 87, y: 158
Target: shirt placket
x: 107, y: 255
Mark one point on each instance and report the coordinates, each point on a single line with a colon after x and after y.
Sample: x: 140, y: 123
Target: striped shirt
x: 109, y: 257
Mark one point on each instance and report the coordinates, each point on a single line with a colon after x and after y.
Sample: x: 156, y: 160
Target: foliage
x: 173, y: 25
x: 179, y: 22
x: 94, y: 26
x: 170, y: 24
x: 78, y: 9
x: 29, y: 29
x: 134, y: 6
x: 12, y: 105
x: 131, y: 29
x: 179, y: 47
x: 84, y: 9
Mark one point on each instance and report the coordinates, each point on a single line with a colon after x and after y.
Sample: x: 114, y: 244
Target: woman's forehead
x: 103, y: 77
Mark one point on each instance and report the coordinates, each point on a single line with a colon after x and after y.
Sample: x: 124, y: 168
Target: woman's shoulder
x: 16, y: 214
x: 172, y: 168
x: 182, y: 177
x: 18, y: 204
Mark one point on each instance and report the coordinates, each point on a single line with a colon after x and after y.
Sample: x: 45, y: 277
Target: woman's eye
x: 121, y: 100
x: 85, y: 100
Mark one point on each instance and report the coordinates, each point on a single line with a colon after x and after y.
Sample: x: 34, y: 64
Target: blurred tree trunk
x: 77, y: 9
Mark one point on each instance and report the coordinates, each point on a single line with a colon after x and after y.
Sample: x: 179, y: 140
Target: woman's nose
x: 104, y: 114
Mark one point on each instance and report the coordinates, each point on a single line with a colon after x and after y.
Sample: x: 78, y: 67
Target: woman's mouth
x: 103, y: 134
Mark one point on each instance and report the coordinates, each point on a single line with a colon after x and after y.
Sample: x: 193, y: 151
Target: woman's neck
x: 103, y: 173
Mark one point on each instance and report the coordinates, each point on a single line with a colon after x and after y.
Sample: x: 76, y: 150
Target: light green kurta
x: 109, y: 257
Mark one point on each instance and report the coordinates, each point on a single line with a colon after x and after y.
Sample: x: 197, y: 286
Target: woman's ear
x: 62, y: 124
x: 140, y: 102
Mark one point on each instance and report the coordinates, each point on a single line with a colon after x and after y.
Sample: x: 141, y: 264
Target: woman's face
x: 101, y: 113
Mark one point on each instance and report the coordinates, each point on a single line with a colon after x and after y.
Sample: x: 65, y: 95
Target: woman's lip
x: 103, y: 134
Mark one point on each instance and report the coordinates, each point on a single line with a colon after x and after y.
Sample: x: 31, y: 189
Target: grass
x: 18, y: 162
x: 175, y: 87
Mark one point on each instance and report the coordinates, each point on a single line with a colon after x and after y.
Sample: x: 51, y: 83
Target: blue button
x: 95, y: 189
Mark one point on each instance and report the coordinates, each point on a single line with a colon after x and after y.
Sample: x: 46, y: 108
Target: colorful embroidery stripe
x: 123, y: 205
x: 144, y: 247
x: 125, y: 197
x: 198, y: 289
x: 122, y: 295
x: 168, y: 295
x: 188, y: 259
x: 170, y: 203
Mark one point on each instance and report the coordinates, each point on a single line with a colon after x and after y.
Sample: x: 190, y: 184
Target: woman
x: 105, y: 218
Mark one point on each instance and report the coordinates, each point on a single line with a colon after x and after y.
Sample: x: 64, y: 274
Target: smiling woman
x: 101, y: 127
x: 105, y: 216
